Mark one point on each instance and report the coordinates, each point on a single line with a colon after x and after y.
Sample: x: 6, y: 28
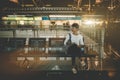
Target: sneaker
x: 74, y: 70
x: 83, y: 63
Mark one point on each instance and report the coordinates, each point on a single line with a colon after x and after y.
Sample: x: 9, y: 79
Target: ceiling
x: 113, y: 5
x: 53, y: 3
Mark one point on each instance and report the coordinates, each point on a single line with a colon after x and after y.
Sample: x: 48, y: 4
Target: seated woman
x: 76, y: 41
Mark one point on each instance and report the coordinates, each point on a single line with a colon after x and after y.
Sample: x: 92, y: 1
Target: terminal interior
x: 32, y: 45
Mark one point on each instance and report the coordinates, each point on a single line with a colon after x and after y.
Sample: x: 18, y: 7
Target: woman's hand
x: 81, y: 46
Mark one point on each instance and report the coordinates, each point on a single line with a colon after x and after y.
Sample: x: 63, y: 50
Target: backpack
x: 73, y: 49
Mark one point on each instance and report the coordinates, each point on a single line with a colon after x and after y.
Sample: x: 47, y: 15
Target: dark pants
x: 73, y: 61
x: 74, y: 51
x: 74, y: 58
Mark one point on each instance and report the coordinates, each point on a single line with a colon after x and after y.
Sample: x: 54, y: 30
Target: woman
x: 77, y: 42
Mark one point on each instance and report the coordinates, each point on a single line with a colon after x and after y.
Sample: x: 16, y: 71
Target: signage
x: 65, y: 18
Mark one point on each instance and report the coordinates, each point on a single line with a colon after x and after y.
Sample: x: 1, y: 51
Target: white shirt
x: 76, y: 39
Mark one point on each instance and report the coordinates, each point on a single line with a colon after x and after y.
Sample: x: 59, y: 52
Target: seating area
x: 10, y: 44
x: 49, y: 46
x: 36, y: 46
x: 3, y: 44
x: 46, y: 54
x: 56, y: 46
x: 42, y: 52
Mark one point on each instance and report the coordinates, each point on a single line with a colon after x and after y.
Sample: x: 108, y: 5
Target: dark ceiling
x: 53, y: 3
x: 100, y: 8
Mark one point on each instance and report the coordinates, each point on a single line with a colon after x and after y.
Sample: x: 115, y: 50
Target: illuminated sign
x: 61, y: 17
x: 45, y: 18
x: 17, y: 18
x: 65, y: 18
x: 37, y: 18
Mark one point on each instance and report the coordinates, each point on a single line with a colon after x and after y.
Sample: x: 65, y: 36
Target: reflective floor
x: 28, y: 67
x: 50, y: 63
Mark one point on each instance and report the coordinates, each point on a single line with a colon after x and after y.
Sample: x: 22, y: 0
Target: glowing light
x: 4, y: 18
x: 15, y: 1
x: 111, y: 74
x: 92, y: 22
x: 22, y: 22
x: 89, y: 22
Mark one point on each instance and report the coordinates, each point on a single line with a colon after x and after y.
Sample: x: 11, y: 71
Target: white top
x: 76, y: 39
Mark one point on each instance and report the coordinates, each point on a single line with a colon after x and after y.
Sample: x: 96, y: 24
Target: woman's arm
x: 66, y: 39
x: 81, y: 42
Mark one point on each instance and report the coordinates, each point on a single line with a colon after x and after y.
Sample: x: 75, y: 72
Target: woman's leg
x: 73, y: 61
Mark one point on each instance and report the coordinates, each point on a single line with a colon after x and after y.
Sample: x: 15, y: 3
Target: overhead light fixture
x: 47, y: 5
x: 15, y: 1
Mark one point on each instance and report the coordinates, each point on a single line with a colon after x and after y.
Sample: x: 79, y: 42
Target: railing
x: 110, y: 52
x: 117, y: 55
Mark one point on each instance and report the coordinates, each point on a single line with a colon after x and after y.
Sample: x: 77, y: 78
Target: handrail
x: 110, y: 51
x: 114, y: 52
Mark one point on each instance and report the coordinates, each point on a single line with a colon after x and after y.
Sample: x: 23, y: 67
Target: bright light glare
x: 92, y: 22
x: 89, y: 22
x: 22, y: 22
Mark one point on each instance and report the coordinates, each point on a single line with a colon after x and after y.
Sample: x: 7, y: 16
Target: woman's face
x: 74, y: 30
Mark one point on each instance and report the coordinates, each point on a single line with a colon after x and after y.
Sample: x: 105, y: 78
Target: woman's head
x: 76, y: 25
x: 75, y: 28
